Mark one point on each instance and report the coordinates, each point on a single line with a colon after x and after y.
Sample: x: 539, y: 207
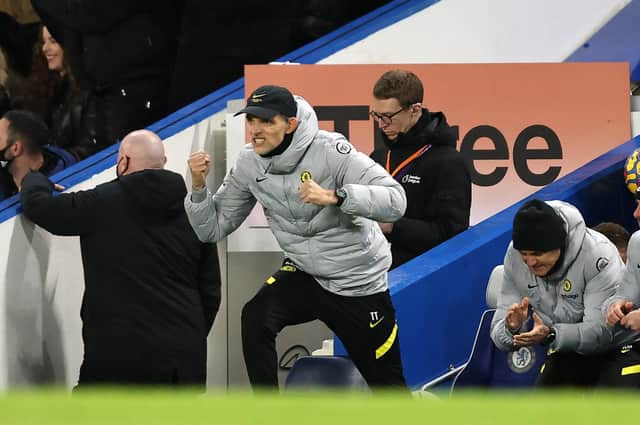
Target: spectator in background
x: 152, y: 290
x: 26, y: 84
x: 20, y: 10
x: 121, y: 51
x: 24, y: 145
x: 19, y: 25
x: 616, y: 234
x: 70, y: 117
x: 5, y: 101
x: 420, y: 153
x: 557, y: 274
x: 316, y: 18
x: 232, y: 28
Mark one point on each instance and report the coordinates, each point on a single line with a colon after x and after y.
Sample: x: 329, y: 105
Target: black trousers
x: 622, y: 368
x: 167, y: 376
x: 131, y: 359
x: 570, y: 370
x: 366, y: 325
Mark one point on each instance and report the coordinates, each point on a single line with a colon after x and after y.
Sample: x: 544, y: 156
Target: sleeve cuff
x: 512, y: 332
x: 198, y: 196
x: 605, y: 306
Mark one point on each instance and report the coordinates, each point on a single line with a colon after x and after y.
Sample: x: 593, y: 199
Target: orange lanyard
x: 413, y: 157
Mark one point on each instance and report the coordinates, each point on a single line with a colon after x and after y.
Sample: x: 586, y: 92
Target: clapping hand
x: 517, y: 314
x: 631, y: 320
x: 617, y: 311
x: 534, y: 336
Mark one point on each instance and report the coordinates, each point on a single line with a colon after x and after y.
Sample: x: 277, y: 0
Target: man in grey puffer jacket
x: 622, y: 368
x: 322, y: 200
x: 557, y: 274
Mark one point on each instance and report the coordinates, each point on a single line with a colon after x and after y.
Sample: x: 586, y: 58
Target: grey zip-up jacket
x: 342, y: 247
x: 629, y: 290
x: 571, y: 297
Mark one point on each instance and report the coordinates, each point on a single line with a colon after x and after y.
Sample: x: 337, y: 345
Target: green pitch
x: 159, y: 408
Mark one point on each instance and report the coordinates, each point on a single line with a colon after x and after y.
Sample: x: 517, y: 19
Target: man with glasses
x: 419, y: 151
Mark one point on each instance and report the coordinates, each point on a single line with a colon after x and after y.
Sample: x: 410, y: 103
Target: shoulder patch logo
x: 305, y: 176
x: 601, y: 263
x: 343, y: 147
x: 566, y: 285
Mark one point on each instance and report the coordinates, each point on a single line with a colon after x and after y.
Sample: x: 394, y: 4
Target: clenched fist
x: 312, y: 193
x: 199, y: 166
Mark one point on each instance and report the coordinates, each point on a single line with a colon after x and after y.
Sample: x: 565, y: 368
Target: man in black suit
x: 152, y: 289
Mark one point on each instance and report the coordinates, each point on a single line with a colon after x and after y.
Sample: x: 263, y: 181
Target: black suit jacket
x: 152, y: 289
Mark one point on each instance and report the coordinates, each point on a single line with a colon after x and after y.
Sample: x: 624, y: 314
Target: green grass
x: 158, y: 408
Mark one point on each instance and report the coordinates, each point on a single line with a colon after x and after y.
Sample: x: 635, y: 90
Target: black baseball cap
x: 267, y: 101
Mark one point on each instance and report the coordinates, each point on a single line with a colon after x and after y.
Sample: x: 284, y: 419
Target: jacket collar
x: 431, y: 128
x: 304, y: 135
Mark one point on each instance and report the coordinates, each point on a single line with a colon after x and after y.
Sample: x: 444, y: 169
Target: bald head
x: 140, y: 150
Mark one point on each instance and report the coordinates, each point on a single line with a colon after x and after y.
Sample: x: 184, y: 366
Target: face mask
x: 4, y: 151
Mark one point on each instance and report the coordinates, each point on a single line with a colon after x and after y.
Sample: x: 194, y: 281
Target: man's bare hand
x: 386, y: 228
x: 617, y: 310
x: 199, y: 166
x: 517, y: 314
x: 631, y: 320
x: 312, y: 193
x: 534, y: 336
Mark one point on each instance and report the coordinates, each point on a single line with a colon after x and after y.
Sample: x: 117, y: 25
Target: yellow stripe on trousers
x: 381, y: 351
x: 630, y: 370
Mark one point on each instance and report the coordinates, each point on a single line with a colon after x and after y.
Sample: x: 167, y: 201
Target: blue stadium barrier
x: 440, y: 295
x: 617, y: 41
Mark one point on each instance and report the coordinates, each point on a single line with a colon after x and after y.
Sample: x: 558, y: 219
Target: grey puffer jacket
x: 629, y: 290
x: 342, y: 247
x: 571, y: 297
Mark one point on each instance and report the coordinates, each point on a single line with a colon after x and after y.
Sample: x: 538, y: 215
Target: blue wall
x: 440, y: 296
x: 617, y: 41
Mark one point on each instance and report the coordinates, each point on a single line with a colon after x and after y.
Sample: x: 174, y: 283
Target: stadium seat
x: 494, y: 285
x: 325, y: 373
x: 487, y: 365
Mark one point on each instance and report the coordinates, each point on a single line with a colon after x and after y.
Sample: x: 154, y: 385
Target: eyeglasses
x: 385, y: 119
